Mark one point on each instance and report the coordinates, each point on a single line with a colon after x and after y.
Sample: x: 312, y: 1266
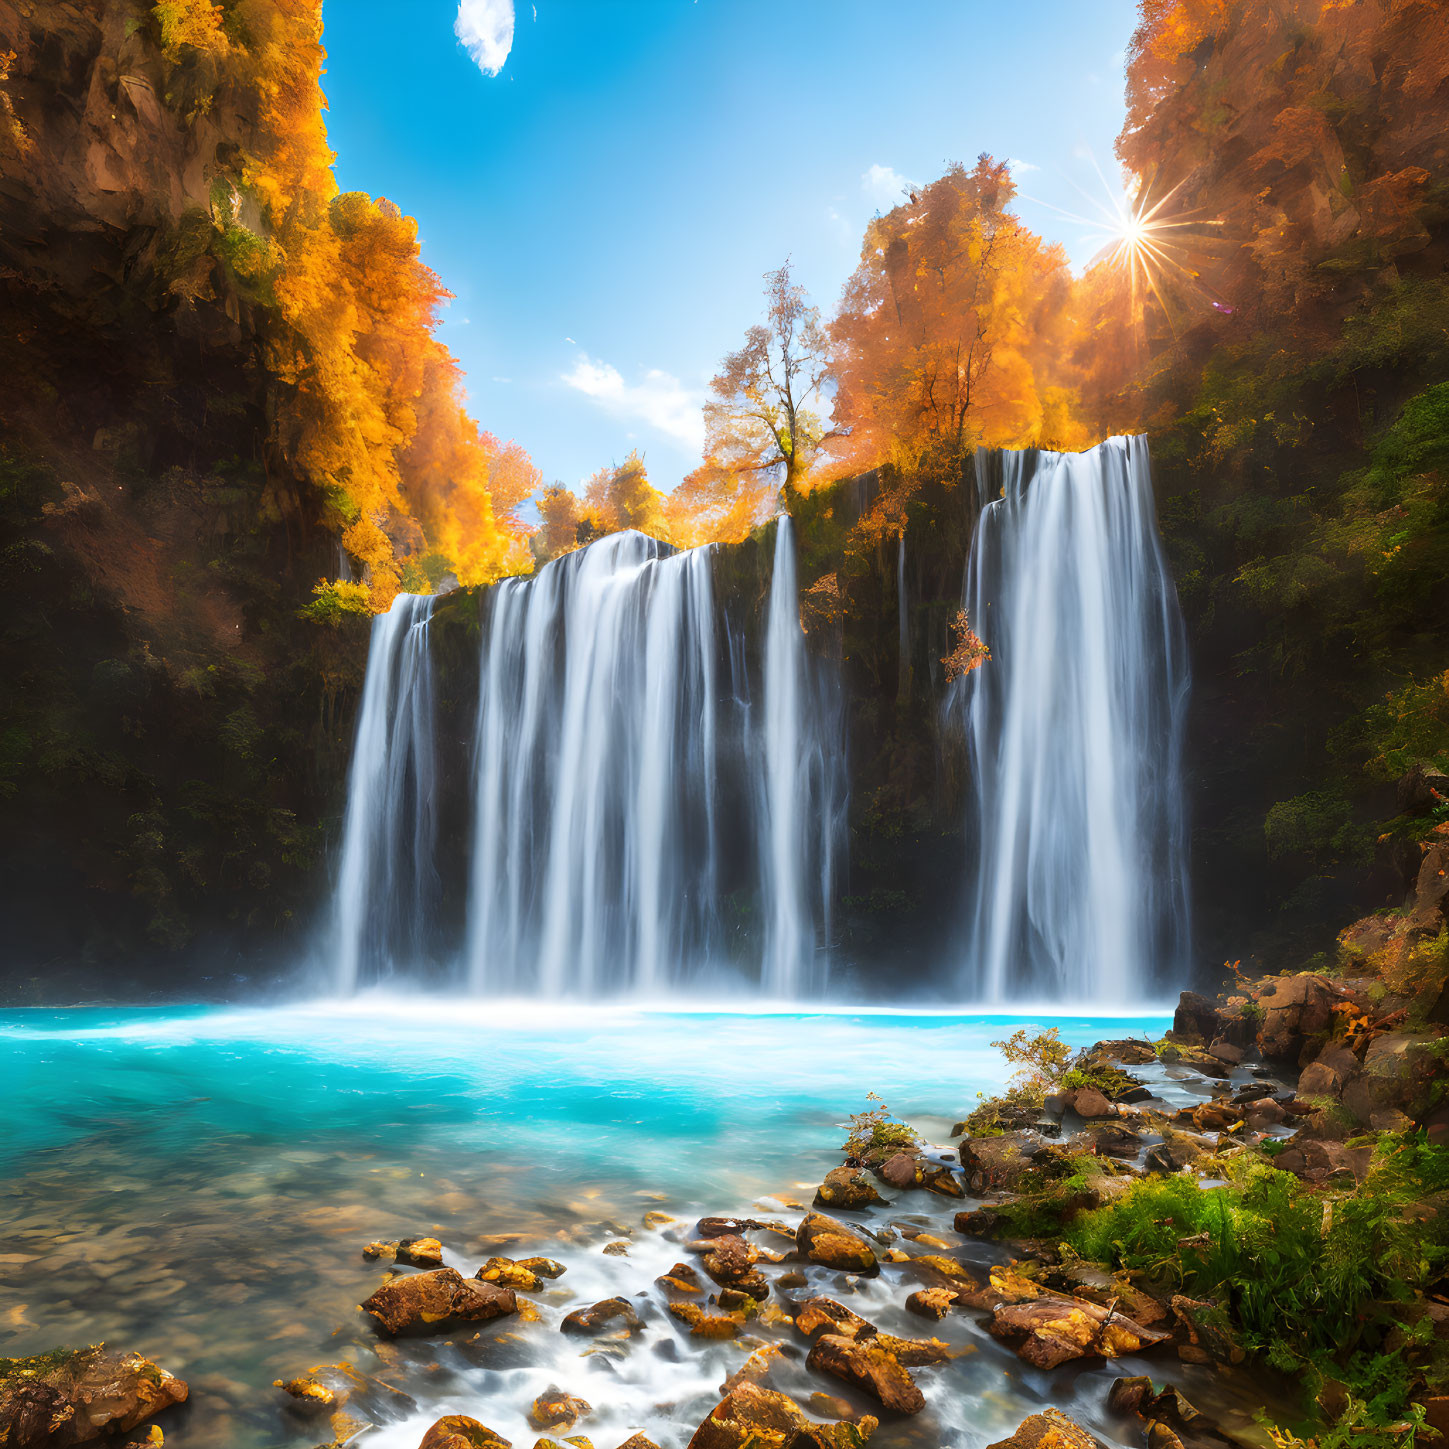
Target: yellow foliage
x: 193, y: 23
x: 369, y: 404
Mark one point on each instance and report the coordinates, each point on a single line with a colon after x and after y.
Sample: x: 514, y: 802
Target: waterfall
x: 1074, y: 731
x: 385, y: 878
x: 628, y: 802
x: 789, y: 943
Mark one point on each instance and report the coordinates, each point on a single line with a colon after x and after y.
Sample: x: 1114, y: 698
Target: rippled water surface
x: 198, y: 1183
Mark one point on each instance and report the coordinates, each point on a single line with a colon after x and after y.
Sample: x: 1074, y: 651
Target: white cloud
x: 571, y: 342
x: 660, y: 400
x: 1019, y: 167
x: 884, y: 185
x: 486, y: 29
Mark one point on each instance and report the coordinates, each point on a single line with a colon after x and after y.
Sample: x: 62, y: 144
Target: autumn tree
x: 622, y: 496
x: 935, y: 338
x: 367, y: 404
x: 765, y: 414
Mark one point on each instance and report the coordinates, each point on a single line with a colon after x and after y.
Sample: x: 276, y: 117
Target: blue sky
x: 604, y: 205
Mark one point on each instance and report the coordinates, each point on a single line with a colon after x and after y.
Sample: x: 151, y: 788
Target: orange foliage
x: 967, y: 650
x: 369, y: 404
x: 1306, y: 131
x: 940, y: 323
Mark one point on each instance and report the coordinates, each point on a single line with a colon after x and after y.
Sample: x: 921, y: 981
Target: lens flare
x: 1158, y: 247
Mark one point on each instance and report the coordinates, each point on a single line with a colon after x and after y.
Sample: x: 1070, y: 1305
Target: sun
x: 1159, y: 246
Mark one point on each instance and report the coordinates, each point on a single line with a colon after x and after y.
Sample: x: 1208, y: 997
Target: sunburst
x: 1157, y: 245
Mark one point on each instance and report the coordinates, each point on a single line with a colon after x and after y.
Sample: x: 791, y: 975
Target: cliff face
x: 171, y: 734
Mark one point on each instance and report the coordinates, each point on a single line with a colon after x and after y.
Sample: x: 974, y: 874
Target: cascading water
x: 641, y: 822
x: 384, y: 880
x: 1074, y: 731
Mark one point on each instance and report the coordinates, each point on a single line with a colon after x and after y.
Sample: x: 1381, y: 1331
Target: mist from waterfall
x: 1074, y: 730
x: 385, y: 876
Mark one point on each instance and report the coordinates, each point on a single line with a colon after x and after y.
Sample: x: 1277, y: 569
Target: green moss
x: 1319, y: 1284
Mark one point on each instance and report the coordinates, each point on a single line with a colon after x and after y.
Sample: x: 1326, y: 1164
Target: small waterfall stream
x: 386, y: 872
x: 1075, y: 732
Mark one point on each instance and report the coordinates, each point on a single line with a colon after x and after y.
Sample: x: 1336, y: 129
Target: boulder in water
x: 848, y: 1189
x: 999, y: 1162
x: 704, y: 1324
x: 554, y: 1409
x: 833, y: 1245
x: 760, y: 1418
x: 508, y: 1274
x: 610, y: 1313
x: 865, y: 1365
x: 1051, y: 1429
x: 458, y: 1431
x: 72, y: 1396
x: 435, y: 1302
x: 931, y: 1302
x: 1050, y: 1330
x: 543, y: 1267
x: 825, y: 1313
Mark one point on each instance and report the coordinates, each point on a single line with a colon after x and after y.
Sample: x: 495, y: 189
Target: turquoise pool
x: 197, y: 1183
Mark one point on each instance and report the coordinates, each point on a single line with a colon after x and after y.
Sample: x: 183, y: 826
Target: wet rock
x: 329, y: 1388
x: 1051, y: 1429
x: 751, y: 1417
x: 415, y: 1252
x: 833, y: 1245
x: 866, y: 1366
x: 1117, y: 1141
x: 616, y: 1250
x: 931, y: 1302
x: 436, y: 1302
x: 1159, y: 1436
x: 1226, y: 1051
x: 681, y: 1278
x: 458, y: 1431
x: 900, y: 1170
x: 1005, y: 1285
x: 554, y: 1409
x: 1196, y: 1018
x: 999, y: 1163
x: 730, y: 1261
x: 508, y: 1274
x: 638, y: 1441
x: 847, y: 1189
x: 792, y: 1279
x: 826, y: 1313
x: 1210, y: 1334
x: 938, y: 1178
x: 704, y: 1324
x: 72, y: 1396
x: 1127, y: 1395
x: 1263, y: 1114
x: 1131, y: 1051
x: 609, y: 1314
x: 543, y: 1267
x: 956, y: 1274
x: 1051, y: 1330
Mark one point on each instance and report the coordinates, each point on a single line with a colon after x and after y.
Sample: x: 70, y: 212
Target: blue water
x: 197, y: 1182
